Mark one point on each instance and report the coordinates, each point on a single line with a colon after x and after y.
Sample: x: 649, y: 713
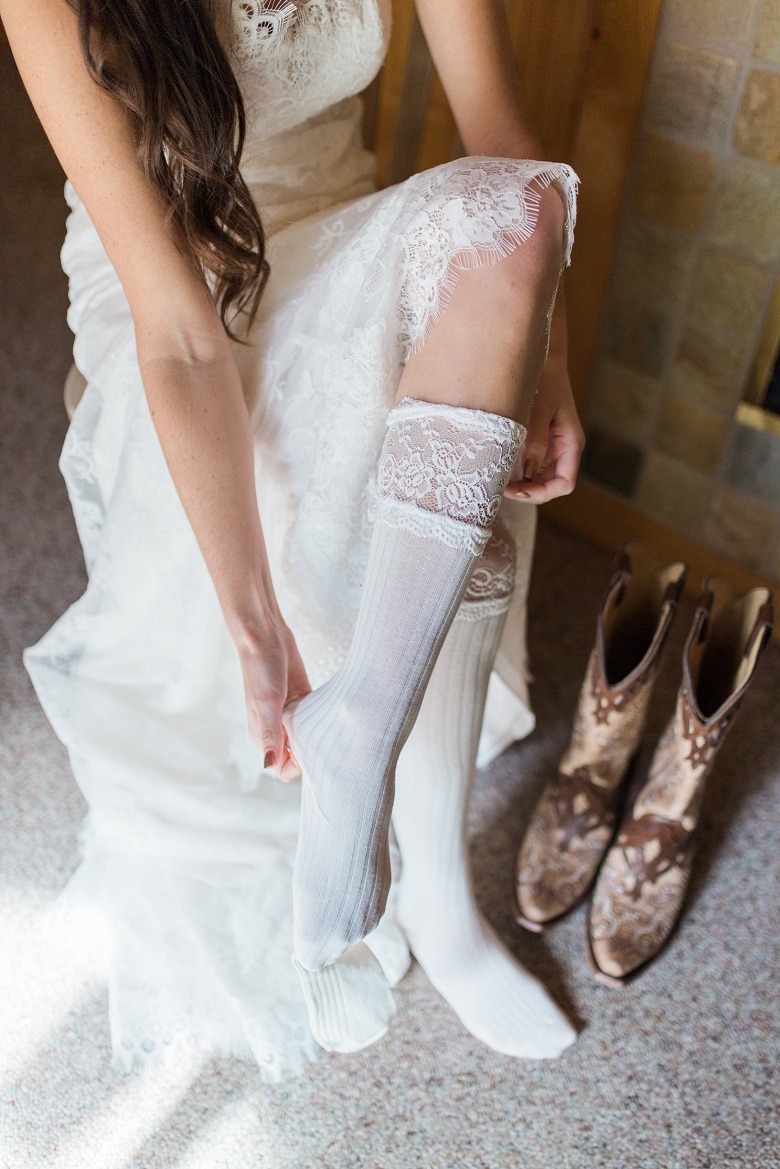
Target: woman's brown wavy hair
x: 165, y: 64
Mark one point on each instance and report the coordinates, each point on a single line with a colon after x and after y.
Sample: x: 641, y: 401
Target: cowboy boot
x: 642, y: 883
x: 575, y: 819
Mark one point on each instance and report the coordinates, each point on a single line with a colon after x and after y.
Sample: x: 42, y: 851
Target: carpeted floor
x: 675, y: 1072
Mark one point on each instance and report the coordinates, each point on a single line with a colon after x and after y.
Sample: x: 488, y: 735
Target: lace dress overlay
x: 188, y: 846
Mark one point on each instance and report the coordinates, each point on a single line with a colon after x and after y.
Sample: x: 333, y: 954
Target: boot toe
x: 538, y: 905
x: 550, y: 882
x: 611, y: 960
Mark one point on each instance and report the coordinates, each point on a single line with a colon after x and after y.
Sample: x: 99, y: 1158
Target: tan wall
x: 698, y: 258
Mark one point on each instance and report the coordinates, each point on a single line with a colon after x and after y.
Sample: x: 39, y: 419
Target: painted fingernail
x: 269, y: 760
x: 530, y: 468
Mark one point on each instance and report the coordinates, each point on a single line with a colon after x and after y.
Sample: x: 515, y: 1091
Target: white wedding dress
x: 188, y: 846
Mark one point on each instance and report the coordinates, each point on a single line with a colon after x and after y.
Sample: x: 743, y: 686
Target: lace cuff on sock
x: 492, y: 582
x: 443, y: 470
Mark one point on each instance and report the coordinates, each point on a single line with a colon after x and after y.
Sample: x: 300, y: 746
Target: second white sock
x: 493, y: 995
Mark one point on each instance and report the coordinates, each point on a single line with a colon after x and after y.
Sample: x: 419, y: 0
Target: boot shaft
x: 632, y: 628
x: 728, y: 634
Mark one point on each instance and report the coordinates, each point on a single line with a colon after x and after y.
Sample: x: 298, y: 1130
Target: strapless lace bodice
x: 300, y: 65
x: 296, y: 58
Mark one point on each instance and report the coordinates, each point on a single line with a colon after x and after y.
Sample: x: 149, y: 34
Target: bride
x: 316, y: 419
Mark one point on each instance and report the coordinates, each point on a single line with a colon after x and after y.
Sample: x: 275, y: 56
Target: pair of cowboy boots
x: 642, y: 872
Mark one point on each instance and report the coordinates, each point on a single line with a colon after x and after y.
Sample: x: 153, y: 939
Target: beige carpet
x: 675, y: 1072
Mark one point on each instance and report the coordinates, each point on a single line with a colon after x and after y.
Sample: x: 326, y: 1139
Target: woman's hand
x: 274, y: 675
x: 555, y: 439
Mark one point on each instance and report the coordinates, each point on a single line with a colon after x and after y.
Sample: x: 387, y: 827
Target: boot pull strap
x: 620, y: 576
x: 622, y: 562
x: 764, y: 623
x: 669, y: 600
x: 671, y: 594
x: 701, y: 616
x: 616, y: 590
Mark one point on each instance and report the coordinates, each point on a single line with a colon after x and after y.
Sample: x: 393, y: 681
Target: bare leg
x: 487, y: 350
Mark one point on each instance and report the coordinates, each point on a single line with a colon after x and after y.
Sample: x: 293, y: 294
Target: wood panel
x: 391, y: 88
x: 440, y: 142
x: 551, y: 43
x: 606, y: 521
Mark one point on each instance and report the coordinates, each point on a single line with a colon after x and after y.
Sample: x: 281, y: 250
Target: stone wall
x: 698, y: 259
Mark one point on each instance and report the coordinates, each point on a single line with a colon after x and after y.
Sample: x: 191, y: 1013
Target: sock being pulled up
x: 442, y: 473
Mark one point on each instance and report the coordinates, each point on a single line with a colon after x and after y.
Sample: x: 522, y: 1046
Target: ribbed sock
x: 349, y: 1003
x: 442, y: 473
x: 495, y: 998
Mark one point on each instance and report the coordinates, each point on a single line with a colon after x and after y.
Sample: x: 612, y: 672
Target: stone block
x: 673, y: 494
x: 612, y: 461
x: 690, y: 433
x: 637, y: 336
x: 728, y: 292
x: 691, y: 93
x: 622, y: 400
x: 738, y: 527
x: 712, y: 20
x: 758, y: 118
x: 671, y: 182
x: 753, y: 464
x: 767, y: 43
x: 744, y: 211
x: 652, y: 262
x: 709, y: 368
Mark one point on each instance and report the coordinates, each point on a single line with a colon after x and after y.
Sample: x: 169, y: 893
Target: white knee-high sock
x: 442, y: 473
x: 495, y: 998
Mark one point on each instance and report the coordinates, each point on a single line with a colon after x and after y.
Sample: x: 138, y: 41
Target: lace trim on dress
x: 257, y: 22
x: 264, y: 20
x: 467, y: 218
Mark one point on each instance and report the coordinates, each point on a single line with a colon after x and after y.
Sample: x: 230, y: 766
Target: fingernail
x: 523, y: 495
x: 269, y: 760
x: 530, y: 468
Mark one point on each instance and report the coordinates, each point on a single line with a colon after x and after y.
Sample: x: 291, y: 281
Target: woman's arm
x: 189, y: 373
x: 472, y: 50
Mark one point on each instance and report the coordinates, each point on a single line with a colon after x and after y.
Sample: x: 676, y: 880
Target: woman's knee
x: 505, y: 217
x: 500, y: 203
x: 531, y: 271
